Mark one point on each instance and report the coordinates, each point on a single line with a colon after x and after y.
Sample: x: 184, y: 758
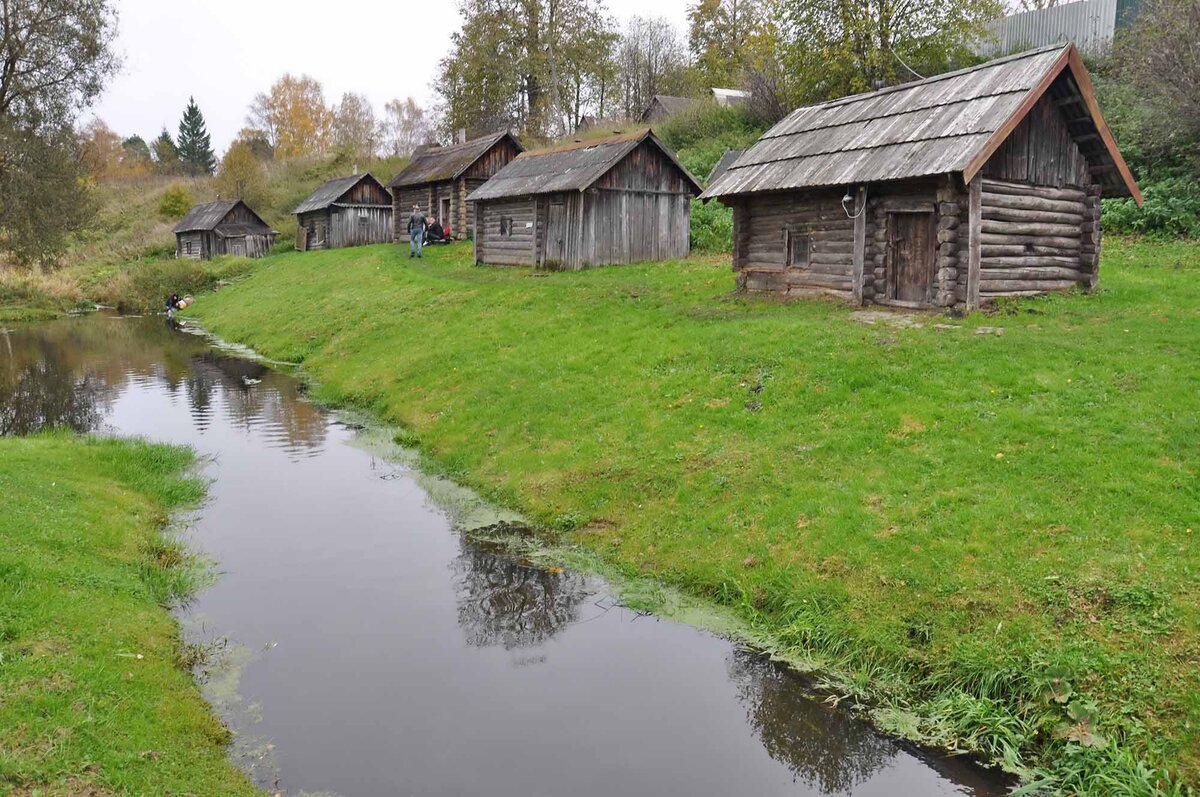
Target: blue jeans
x: 415, y: 240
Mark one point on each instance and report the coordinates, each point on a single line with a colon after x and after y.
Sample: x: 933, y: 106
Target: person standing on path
x: 416, y: 231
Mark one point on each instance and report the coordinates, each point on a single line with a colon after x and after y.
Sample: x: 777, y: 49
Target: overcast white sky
x: 225, y: 51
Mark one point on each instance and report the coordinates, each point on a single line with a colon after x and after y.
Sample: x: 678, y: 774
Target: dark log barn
x: 623, y: 199
x: 223, y: 227
x: 439, y: 179
x: 347, y: 211
x: 950, y: 191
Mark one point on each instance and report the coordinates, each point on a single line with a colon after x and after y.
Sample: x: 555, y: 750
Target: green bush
x: 701, y: 136
x: 176, y: 201
x: 712, y: 227
x: 1171, y: 210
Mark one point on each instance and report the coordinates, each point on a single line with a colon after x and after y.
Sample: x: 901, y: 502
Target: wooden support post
x: 533, y: 255
x: 475, y: 238
x: 860, y: 244
x: 974, y: 239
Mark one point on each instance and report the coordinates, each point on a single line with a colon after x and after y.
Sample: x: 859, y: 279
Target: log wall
x: 189, y: 245
x: 762, y: 225
x: 515, y: 246
x: 1035, y: 239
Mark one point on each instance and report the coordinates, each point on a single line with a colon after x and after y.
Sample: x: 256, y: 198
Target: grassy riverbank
x: 986, y: 536
x: 94, y: 696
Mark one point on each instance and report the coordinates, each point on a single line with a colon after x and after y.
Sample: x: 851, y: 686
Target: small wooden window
x: 506, y: 224
x: 796, y: 249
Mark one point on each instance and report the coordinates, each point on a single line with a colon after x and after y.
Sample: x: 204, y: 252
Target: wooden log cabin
x: 223, y: 227
x: 947, y: 192
x: 346, y: 211
x: 438, y: 179
x: 622, y: 199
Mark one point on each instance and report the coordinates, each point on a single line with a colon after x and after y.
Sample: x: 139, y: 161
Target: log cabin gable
x: 1068, y: 87
x: 1042, y: 150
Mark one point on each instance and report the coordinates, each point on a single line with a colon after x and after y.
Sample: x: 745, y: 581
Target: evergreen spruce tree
x: 194, y: 143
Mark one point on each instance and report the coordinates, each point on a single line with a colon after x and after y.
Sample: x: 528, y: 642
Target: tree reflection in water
x: 68, y: 373
x: 503, y: 602
x: 36, y: 393
x: 825, y: 748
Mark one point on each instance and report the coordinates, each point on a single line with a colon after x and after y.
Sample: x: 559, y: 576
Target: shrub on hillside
x: 176, y: 201
x: 701, y: 136
x: 712, y: 227
x: 1171, y: 210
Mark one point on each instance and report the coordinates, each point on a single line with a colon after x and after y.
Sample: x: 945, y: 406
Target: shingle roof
x: 208, y: 215
x: 568, y: 167
x: 446, y: 163
x: 947, y: 123
x: 331, y: 191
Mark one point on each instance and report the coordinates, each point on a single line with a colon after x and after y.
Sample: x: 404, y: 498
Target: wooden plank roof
x: 332, y: 190
x: 569, y: 167
x: 944, y: 124
x: 447, y: 163
x: 208, y: 216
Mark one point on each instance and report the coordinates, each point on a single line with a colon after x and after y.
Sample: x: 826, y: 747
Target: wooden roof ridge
x: 207, y: 216
x: 449, y: 162
x: 585, y: 143
x: 574, y: 166
x: 869, y: 95
x: 949, y: 123
x: 330, y: 191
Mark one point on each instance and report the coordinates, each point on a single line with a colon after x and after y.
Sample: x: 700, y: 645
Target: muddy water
x: 367, y: 648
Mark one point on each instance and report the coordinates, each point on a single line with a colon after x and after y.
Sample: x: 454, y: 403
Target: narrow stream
x: 365, y: 647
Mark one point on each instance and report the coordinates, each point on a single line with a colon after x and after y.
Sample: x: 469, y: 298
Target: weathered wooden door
x: 556, y: 233
x: 912, y: 270
x: 237, y: 247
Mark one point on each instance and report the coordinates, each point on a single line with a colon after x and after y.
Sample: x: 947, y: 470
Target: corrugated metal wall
x: 1089, y: 24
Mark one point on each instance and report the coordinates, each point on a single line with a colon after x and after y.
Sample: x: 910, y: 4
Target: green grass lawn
x: 987, y: 538
x: 94, y: 697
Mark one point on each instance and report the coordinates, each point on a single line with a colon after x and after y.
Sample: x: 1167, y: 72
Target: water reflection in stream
x: 374, y: 651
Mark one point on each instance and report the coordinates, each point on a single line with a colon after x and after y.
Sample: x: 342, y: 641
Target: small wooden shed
x: 623, y: 199
x: 438, y: 179
x: 346, y: 211
x: 223, y: 227
x: 949, y: 191
x: 663, y: 106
